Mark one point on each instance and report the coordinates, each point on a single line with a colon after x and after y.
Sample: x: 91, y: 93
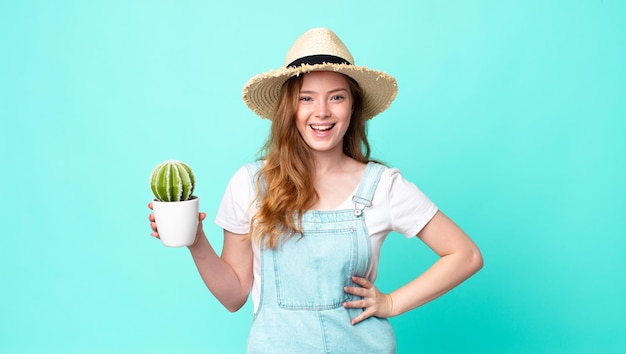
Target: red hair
x: 286, y: 179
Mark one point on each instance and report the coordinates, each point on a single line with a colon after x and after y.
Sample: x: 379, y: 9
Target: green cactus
x: 172, y: 181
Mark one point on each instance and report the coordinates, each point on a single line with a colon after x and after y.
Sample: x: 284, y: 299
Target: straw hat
x: 319, y: 49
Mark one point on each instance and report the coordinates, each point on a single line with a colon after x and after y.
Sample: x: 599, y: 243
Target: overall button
x: 358, y: 212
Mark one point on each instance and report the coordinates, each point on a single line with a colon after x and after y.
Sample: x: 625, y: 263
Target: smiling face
x: 324, y: 110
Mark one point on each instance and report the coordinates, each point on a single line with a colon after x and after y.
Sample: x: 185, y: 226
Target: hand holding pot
x: 175, y: 207
x: 155, y: 231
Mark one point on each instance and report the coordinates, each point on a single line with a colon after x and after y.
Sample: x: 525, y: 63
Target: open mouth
x: 321, y: 128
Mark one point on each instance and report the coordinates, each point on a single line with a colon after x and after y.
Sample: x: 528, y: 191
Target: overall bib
x: 302, y: 280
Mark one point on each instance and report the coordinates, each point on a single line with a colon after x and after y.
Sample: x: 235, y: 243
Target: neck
x: 325, y: 162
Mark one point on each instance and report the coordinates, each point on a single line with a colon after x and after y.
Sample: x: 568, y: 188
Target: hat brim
x: 262, y: 91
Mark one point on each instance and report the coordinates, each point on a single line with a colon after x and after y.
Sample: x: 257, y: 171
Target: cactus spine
x: 172, y: 181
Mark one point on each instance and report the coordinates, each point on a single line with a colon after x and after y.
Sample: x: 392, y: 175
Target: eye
x: 305, y: 99
x: 337, y: 98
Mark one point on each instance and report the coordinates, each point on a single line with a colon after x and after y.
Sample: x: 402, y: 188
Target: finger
x: 202, y: 216
x: 151, y: 217
x: 355, y: 291
x: 361, y: 317
x: 362, y: 281
x: 150, y: 205
x: 356, y: 304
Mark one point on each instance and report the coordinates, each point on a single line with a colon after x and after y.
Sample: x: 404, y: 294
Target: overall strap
x: 367, y: 187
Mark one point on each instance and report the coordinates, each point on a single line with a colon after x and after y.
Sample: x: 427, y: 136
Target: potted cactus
x: 175, y: 208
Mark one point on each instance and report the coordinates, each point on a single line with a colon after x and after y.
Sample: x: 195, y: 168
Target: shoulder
x: 388, y: 174
x: 408, y: 208
x: 244, y: 175
x: 249, y: 169
x: 395, y: 185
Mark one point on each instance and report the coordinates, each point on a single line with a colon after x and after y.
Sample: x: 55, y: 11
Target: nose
x: 322, y: 110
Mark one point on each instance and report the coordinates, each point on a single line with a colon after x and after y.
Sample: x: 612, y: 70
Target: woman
x: 303, y: 226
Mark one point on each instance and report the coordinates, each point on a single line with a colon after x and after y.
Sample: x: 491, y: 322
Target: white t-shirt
x: 398, y: 205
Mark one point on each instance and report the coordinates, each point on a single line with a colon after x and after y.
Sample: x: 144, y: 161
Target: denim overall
x: 302, y: 280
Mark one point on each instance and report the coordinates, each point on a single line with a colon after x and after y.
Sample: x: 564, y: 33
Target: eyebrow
x: 331, y: 91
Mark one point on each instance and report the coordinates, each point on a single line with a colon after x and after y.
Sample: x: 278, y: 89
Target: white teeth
x: 322, y: 127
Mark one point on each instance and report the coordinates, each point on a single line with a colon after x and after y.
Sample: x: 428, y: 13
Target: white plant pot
x: 177, y: 222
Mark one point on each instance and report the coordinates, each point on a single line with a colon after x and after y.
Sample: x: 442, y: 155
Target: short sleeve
x: 236, y: 208
x: 410, y: 208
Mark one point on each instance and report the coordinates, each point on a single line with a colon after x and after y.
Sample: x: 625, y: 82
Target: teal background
x: 510, y: 116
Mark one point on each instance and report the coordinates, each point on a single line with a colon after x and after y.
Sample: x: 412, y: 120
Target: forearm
x: 219, y: 276
x: 448, y: 272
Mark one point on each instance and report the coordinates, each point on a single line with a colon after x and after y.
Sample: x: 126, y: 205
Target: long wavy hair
x: 285, y: 183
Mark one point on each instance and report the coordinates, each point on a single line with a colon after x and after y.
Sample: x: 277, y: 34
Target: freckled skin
x: 324, y: 102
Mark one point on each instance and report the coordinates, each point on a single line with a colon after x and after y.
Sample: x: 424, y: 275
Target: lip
x: 323, y: 126
x: 326, y: 131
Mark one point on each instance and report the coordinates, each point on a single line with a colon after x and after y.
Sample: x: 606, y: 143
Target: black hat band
x: 318, y: 59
